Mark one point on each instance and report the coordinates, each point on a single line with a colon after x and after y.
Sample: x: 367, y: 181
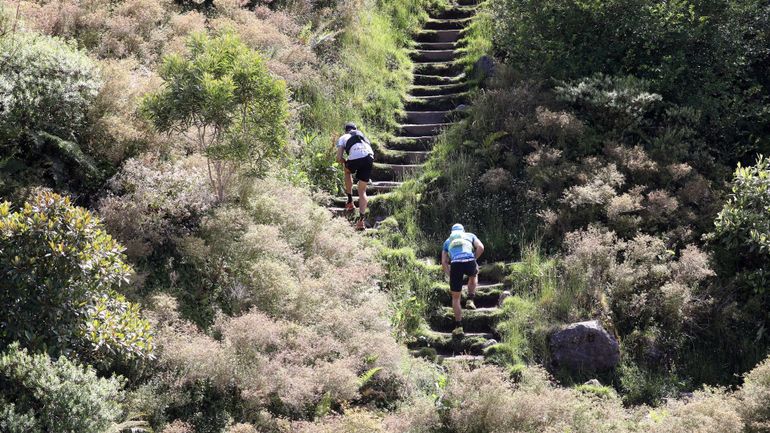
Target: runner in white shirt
x: 359, y: 162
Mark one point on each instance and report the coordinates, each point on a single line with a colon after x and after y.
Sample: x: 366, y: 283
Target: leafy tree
x: 222, y: 98
x: 59, y: 271
x: 38, y: 395
x: 742, y: 230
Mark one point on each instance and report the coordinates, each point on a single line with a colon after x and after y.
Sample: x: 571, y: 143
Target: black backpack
x: 355, y: 138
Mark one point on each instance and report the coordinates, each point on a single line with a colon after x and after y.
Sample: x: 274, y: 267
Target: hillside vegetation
x: 168, y: 263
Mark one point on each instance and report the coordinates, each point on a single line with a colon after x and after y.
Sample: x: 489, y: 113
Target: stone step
x: 447, y: 344
x: 446, y: 24
x: 467, y: 2
x: 423, y: 130
x: 337, y: 211
x: 339, y: 202
x: 478, y: 320
x: 456, y: 12
x: 412, y: 143
x: 423, y: 117
x: 452, y: 35
x: 403, y: 156
x: 434, y: 55
x: 436, y: 103
x: 435, y: 90
x: 435, y: 45
x: 433, y: 80
x: 445, y: 69
x: 378, y: 187
x: 461, y: 359
x: 394, y: 172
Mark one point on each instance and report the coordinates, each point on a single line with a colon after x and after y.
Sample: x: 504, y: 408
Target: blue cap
x: 458, y: 228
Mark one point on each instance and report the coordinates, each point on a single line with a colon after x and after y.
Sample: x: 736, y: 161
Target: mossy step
x: 478, y: 320
x: 446, y: 343
x: 434, y: 55
x: 433, y: 80
x: 412, y: 143
x: 495, y: 272
x: 423, y: 130
x: 437, y: 103
x: 341, y: 201
x: 467, y: 2
x: 438, y: 35
x: 455, y: 12
x: 435, y: 45
x: 486, y: 295
x: 394, y: 171
x: 446, y: 23
x: 424, y: 117
x: 446, y: 69
x: 439, y: 89
x: 403, y: 156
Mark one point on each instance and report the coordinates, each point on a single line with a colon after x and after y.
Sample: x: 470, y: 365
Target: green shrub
x: 46, y: 85
x: 60, y: 271
x: 38, y: 395
x: 742, y: 228
x: 223, y: 92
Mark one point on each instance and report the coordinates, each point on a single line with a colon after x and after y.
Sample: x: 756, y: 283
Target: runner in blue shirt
x: 458, y: 258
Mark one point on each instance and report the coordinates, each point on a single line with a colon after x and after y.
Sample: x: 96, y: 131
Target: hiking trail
x: 438, y: 95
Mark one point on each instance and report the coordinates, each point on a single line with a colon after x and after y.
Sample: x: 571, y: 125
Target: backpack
x: 355, y: 138
x: 458, y: 240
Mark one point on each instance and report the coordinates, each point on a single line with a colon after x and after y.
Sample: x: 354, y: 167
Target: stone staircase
x: 440, y: 344
x: 436, y: 98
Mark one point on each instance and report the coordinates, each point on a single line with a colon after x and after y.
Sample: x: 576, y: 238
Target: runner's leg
x: 456, y: 306
x: 348, y: 178
x: 363, y: 201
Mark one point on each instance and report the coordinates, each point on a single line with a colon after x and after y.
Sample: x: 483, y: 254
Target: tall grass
x: 369, y: 77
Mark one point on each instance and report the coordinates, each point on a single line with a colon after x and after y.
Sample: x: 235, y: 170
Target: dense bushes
x: 486, y: 400
x: 289, y: 321
x: 40, y: 395
x: 701, y: 54
x: 61, y: 271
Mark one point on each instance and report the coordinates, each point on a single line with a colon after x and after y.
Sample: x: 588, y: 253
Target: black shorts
x: 458, y: 270
x: 361, y: 168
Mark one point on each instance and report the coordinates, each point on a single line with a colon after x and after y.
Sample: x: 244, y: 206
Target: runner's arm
x: 479, y: 248
x: 445, y: 261
x: 340, y: 158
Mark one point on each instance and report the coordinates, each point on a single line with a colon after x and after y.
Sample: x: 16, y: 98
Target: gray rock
x: 484, y: 67
x: 584, y: 347
x: 503, y: 296
x: 488, y: 343
x: 593, y: 382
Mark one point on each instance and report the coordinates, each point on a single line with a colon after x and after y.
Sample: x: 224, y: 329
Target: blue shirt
x: 460, y: 247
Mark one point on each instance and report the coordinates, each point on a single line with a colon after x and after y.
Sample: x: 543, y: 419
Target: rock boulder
x: 584, y: 347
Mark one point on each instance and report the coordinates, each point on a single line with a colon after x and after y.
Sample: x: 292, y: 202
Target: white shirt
x: 362, y: 149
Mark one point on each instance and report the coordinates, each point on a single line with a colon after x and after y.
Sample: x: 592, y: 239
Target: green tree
x: 742, y: 231
x: 59, y: 271
x: 221, y: 97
